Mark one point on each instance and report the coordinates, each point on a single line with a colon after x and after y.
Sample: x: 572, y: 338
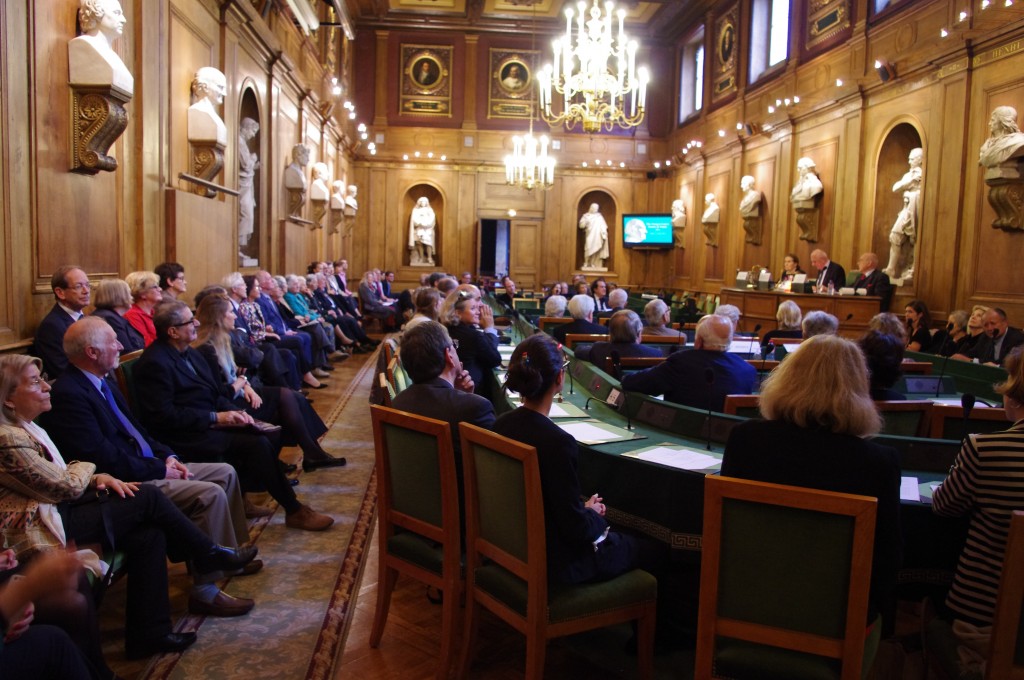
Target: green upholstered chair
x: 784, y: 582
x: 418, y: 516
x: 123, y: 375
x: 506, y: 560
x: 386, y: 388
x: 548, y: 323
x: 573, y: 339
x: 910, y: 418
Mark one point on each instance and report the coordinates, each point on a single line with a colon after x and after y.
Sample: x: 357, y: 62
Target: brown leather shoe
x: 248, y: 570
x: 308, y: 519
x: 253, y: 511
x: 222, y: 605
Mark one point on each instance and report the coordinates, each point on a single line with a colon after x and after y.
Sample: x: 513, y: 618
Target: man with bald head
x: 828, y: 272
x: 700, y: 377
x: 873, y: 280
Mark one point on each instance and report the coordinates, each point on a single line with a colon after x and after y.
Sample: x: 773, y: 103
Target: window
x: 691, y: 76
x: 769, y: 35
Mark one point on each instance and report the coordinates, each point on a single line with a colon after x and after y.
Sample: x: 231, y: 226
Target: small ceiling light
x: 405, y: 156
x: 364, y: 136
x: 984, y: 4
x: 657, y: 165
x: 739, y: 126
x: 1008, y: 3
x: 444, y: 157
x: 512, y: 212
x: 417, y: 154
x: 430, y: 154
x: 609, y: 163
x: 963, y: 15
x: 686, y: 151
x: 667, y: 163
x: 352, y: 115
x: 943, y: 33
x: 621, y: 164
x: 361, y: 127
x: 771, y: 109
x: 786, y: 101
x: 839, y: 82
x: 721, y: 133
x: 796, y: 100
x: 584, y: 164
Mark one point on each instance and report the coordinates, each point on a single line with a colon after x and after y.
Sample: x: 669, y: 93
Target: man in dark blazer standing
x: 581, y: 307
x: 828, y: 272
x: 70, y: 285
x: 874, y: 281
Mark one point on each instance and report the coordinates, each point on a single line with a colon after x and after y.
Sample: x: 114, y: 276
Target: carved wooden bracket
x: 807, y: 219
x: 678, y: 234
x: 753, y: 226
x: 296, y: 197
x: 319, y: 210
x: 207, y: 161
x: 1006, y: 196
x: 711, y: 233
x: 350, y: 221
x: 98, y: 118
x: 337, y: 215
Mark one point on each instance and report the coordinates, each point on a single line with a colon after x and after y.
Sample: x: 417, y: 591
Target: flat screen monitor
x: 647, y: 231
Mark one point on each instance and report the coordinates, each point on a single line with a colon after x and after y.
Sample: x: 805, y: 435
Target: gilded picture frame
x: 511, y: 92
x: 426, y: 80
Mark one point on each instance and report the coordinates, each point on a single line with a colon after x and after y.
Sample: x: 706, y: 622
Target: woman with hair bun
x: 580, y: 545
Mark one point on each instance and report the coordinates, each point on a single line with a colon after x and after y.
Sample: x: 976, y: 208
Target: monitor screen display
x: 647, y: 231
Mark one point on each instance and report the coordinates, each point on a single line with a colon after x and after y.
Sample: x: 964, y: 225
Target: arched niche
x: 892, y: 166
x: 250, y: 224
x: 436, y: 198
x: 608, y: 209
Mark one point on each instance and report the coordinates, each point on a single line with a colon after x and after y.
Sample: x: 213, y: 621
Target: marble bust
x: 204, y: 123
x: 807, y: 185
x: 351, y: 204
x: 318, y: 190
x: 295, y: 173
x: 91, y: 57
x: 1005, y: 138
x: 750, y: 202
x: 338, y: 195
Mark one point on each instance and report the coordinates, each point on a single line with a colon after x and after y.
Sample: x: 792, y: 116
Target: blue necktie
x: 144, y: 448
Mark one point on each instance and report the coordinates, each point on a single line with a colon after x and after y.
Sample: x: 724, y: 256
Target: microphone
x: 967, y: 403
x: 709, y: 379
x: 766, y: 349
x: 945, y: 357
x: 616, y: 363
x: 569, y: 372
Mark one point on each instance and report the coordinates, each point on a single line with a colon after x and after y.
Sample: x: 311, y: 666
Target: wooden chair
x: 766, y: 366
x: 664, y: 342
x: 746, y: 405
x: 784, y: 582
x: 546, y: 323
x: 947, y: 421
x: 1006, y: 655
x: 386, y: 388
x: 418, y: 515
x: 123, y: 375
x: 506, y: 560
x: 572, y: 339
x: 917, y: 367
x: 909, y: 418
x: 641, y: 362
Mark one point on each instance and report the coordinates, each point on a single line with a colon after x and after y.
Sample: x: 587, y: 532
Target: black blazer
x: 49, y: 342
x: 577, y: 326
x: 876, y: 283
x: 835, y: 274
x: 985, y: 350
x: 83, y: 425
x: 682, y: 378
x: 438, y: 399
x: 129, y: 338
x: 477, y: 350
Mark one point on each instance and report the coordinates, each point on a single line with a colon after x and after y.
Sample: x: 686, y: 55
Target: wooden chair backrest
x: 123, y: 375
x: 1006, y: 655
x: 910, y: 418
x: 947, y: 421
x: 546, y: 322
x: 742, y: 404
x: 573, y: 339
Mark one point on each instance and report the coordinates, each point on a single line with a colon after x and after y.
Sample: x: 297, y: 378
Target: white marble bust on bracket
x: 204, y: 123
x: 91, y: 57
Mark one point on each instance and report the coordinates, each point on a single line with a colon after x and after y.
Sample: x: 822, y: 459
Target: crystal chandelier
x: 529, y: 166
x: 594, y: 74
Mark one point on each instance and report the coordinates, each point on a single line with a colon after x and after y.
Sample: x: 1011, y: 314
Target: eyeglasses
x: 41, y: 378
x: 78, y: 286
x: 191, y: 322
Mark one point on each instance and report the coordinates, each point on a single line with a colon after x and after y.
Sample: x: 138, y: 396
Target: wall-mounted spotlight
x: 751, y: 129
x: 886, y: 71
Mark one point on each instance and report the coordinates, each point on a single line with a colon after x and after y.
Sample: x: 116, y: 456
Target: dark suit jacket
x: 876, y: 283
x: 835, y: 273
x: 985, y: 350
x: 129, y: 338
x: 477, y: 350
x: 49, y: 342
x: 83, y: 425
x: 577, y: 326
x: 681, y: 378
x: 438, y: 399
x: 782, y: 453
x: 601, y: 351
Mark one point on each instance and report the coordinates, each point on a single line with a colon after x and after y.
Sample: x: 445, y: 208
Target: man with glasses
x: 70, y: 285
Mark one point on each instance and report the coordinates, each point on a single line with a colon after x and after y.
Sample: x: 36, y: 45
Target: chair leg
x: 536, y: 648
x: 449, y: 624
x: 385, y: 585
x: 469, y: 625
x: 645, y: 630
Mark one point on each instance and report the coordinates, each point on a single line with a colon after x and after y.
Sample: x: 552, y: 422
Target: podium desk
x: 760, y: 307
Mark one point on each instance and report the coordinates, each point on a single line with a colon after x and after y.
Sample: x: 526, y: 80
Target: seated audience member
x: 279, y: 405
x: 35, y: 485
x: 790, y: 268
x: 624, y: 330
x: 599, y: 292
x: 91, y: 421
x: 581, y: 309
x: 510, y: 292
x: 985, y: 484
x: 975, y: 329
x: 277, y: 331
x: 428, y: 306
x: 182, y: 405
x: 884, y: 356
x: 146, y: 295
x: 259, y: 358
x: 873, y: 280
x: 617, y: 299
x: 322, y: 342
x: 466, y: 278
x: 70, y: 286
x: 888, y: 323
x: 700, y: 377
x: 819, y: 323
x: 956, y: 333
x: 581, y: 547
x: 112, y: 298
x: 554, y: 306
x: 471, y: 326
x: 789, y: 318
x: 172, y: 280
x: 442, y: 389
x: 446, y: 284
x: 347, y: 325
x: 581, y: 288
x: 919, y: 323
x: 657, y: 315
x: 39, y: 651
x: 815, y: 437
x: 731, y: 312
x: 372, y: 303
x: 998, y: 340
x: 828, y: 272
x: 349, y: 301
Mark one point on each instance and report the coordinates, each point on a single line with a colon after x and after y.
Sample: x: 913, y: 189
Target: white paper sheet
x: 683, y: 459
x: 557, y: 411
x: 745, y: 346
x: 910, y: 489
x: 955, y: 401
x: 586, y: 432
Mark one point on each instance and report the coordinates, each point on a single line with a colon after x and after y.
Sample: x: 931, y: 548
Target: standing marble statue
x: 678, y: 223
x: 422, y: 224
x: 804, y: 198
x: 903, y: 235
x: 710, y: 218
x: 595, y: 239
x: 295, y: 180
x: 248, y: 164
x: 750, y: 209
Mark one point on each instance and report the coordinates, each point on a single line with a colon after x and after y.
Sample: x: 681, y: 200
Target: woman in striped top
x: 986, y: 481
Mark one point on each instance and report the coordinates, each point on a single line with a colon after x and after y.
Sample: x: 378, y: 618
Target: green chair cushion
x: 570, y: 602
x: 416, y: 549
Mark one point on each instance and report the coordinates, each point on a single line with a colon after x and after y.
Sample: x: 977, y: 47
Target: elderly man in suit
x: 183, y: 405
x: 828, y: 272
x: 581, y: 308
x: 624, y: 330
x: 700, y: 377
x: 999, y: 339
x: 871, y: 279
x: 91, y: 420
x: 70, y: 285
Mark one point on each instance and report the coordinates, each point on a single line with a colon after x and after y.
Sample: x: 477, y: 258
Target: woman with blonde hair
x: 790, y: 319
x: 112, y: 298
x: 428, y: 302
x: 470, y: 324
x: 146, y: 294
x: 817, y: 437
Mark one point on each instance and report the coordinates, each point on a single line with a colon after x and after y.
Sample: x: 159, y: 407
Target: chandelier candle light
x: 527, y: 167
x: 592, y: 92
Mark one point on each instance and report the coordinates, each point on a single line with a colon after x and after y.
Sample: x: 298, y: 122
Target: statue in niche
x: 101, y: 85
x: 595, y: 240
x: 750, y: 209
x: 319, y: 194
x: 207, y: 134
x: 1001, y: 155
x: 337, y: 205
x: 710, y: 219
x: 422, y: 226
x: 678, y: 222
x: 295, y: 180
x: 805, y: 197
x: 248, y: 164
x: 903, y: 235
